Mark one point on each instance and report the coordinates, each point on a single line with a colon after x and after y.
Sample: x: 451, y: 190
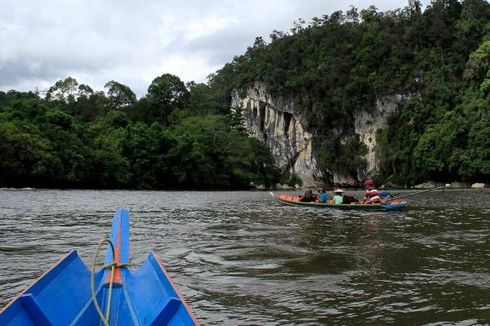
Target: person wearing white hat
x: 338, y: 198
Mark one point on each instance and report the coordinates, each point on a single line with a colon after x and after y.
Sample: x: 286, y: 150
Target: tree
x: 479, y: 149
x: 63, y: 90
x: 478, y: 67
x: 110, y: 168
x: 25, y: 159
x: 146, y: 150
x: 437, y: 149
x: 85, y: 91
x: 210, y: 154
x: 201, y: 99
x: 414, y: 6
x: 167, y: 93
x: 119, y: 96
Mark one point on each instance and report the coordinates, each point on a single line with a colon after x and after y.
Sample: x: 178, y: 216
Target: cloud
x: 133, y: 42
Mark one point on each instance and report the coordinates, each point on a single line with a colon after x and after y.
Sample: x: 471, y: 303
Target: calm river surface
x: 240, y: 258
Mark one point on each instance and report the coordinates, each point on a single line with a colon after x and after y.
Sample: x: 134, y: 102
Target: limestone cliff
x: 277, y: 121
x: 367, y: 124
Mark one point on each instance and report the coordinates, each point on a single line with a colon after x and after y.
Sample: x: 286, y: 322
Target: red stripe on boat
x: 117, y: 255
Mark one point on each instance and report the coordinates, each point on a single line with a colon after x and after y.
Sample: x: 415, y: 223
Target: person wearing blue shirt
x: 322, y: 196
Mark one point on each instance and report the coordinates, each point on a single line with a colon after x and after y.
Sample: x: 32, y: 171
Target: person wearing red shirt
x: 372, y: 195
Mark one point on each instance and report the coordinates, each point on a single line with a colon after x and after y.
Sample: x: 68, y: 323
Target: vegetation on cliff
x: 340, y: 64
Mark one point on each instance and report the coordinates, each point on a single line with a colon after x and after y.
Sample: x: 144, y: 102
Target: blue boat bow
x: 62, y: 296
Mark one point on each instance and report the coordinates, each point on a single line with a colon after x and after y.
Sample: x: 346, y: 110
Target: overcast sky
x: 133, y: 42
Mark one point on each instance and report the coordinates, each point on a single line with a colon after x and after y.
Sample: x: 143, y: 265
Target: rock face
x: 367, y: 124
x: 277, y: 122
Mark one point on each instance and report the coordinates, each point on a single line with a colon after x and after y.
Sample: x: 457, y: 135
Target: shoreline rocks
x: 478, y: 185
x: 425, y: 185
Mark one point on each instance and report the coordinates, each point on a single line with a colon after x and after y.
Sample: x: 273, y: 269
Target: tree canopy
x: 76, y: 137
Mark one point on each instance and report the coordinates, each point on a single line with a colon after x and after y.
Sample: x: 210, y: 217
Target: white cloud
x: 209, y: 25
x: 133, y: 42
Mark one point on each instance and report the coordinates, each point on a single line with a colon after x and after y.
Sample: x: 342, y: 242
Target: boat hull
x: 62, y: 296
x: 294, y: 200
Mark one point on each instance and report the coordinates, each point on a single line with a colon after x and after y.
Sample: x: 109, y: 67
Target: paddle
x: 447, y: 185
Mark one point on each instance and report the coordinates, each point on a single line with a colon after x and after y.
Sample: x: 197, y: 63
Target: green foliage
x: 236, y: 120
x: 478, y: 67
x: 289, y: 178
x: 119, y: 96
x: 437, y: 154
x: 202, y: 100
x: 115, y: 141
x: 165, y: 94
x: 59, y: 118
x: 145, y: 147
x: 24, y: 155
x: 342, y: 157
x: 477, y: 153
x: 111, y: 169
x: 63, y: 90
x: 210, y: 154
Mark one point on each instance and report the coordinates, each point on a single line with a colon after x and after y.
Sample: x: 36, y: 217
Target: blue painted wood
x: 34, y: 311
x: 120, y: 223
x: 62, y: 296
x: 167, y: 313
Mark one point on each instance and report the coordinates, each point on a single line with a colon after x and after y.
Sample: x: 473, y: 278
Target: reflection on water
x: 240, y: 258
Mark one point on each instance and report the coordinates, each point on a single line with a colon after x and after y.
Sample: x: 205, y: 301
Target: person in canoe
x: 372, y: 195
x: 308, y: 197
x: 322, y: 196
x: 349, y: 199
x: 338, y: 197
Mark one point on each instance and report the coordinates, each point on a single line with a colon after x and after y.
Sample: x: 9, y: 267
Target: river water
x: 241, y: 258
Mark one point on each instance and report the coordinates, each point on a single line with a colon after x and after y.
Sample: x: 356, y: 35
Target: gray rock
x: 478, y: 185
x: 459, y: 184
x: 425, y: 185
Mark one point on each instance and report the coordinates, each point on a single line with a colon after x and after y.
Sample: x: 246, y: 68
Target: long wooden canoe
x: 294, y: 200
x: 63, y: 296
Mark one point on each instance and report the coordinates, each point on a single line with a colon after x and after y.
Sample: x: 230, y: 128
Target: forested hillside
x: 175, y: 137
x: 437, y: 58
